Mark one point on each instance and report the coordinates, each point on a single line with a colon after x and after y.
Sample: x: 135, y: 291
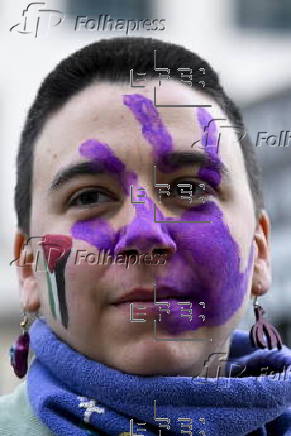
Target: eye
x: 187, y: 188
x: 187, y: 191
x: 89, y: 197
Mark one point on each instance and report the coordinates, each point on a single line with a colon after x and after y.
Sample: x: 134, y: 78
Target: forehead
x: 99, y: 112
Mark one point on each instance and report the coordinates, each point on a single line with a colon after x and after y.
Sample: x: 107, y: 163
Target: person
x: 142, y: 238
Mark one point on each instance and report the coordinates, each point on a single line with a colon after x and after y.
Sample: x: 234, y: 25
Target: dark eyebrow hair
x: 178, y: 159
x: 175, y: 159
x: 74, y: 170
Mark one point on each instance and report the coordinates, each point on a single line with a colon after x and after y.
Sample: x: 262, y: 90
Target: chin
x: 170, y: 359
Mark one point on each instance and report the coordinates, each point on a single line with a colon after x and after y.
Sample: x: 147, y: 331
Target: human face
x: 122, y: 136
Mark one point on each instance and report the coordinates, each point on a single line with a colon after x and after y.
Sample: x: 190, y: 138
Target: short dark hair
x: 111, y: 60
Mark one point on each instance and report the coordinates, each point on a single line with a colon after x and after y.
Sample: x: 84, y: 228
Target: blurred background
x: 248, y: 43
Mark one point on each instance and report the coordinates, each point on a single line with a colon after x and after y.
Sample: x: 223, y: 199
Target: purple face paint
x: 153, y: 128
x: 208, y: 126
x: 206, y: 257
x: 208, y: 262
x: 157, y: 135
x: 210, y: 143
x: 97, y: 232
x: 205, y: 263
x: 101, y: 153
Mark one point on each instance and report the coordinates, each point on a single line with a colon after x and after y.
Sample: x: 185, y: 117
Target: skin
x: 96, y: 328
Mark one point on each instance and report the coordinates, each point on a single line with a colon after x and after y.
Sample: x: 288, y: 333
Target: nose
x: 148, y: 238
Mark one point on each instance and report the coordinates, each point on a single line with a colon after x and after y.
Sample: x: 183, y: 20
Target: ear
x: 262, y: 264
x: 24, y: 263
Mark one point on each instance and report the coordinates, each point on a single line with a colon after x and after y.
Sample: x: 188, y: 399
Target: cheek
x: 71, y: 277
x: 241, y: 221
x: 208, y: 266
x: 96, y: 232
x: 85, y: 276
x: 80, y: 284
x: 85, y: 269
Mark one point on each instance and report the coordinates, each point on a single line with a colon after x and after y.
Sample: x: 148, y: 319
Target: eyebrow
x: 64, y: 175
x: 179, y: 159
x: 176, y: 159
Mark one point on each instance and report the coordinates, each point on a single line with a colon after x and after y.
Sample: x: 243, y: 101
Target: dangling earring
x: 19, y: 351
x: 262, y: 326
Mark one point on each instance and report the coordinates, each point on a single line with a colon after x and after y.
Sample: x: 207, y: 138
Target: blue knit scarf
x: 77, y: 396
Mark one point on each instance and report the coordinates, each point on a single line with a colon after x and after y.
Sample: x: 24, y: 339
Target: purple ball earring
x: 262, y: 327
x: 19, y: 351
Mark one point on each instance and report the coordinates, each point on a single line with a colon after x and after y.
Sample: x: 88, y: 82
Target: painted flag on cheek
x: 57, y: 249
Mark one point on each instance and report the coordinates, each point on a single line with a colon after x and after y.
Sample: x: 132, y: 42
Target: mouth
x: 147, y: 295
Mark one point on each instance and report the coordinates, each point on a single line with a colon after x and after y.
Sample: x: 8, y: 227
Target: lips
x: 147, y: 294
